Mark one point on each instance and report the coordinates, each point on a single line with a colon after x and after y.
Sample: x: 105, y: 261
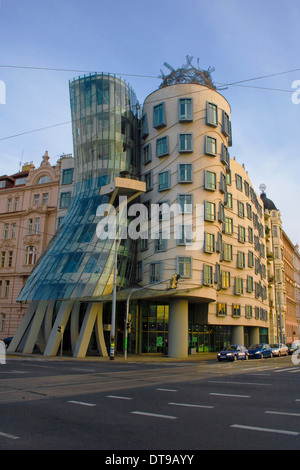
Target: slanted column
x: 61, y: 320
x: 178, y: 328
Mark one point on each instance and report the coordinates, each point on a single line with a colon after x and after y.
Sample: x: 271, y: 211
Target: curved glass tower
x: 77, y: 265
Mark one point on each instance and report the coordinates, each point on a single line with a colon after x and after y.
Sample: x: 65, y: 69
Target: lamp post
x: 114, y: 304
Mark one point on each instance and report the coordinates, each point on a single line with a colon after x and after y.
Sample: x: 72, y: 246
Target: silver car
x: 279, y: 349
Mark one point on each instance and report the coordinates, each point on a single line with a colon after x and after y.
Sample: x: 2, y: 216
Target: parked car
x: 233, y: 352
x: 293, y: 346
x: 279, y: 349
x: 259, y: 351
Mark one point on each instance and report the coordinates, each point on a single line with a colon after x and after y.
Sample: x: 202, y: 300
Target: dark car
x: 233, y: 352
x: 259, y: 351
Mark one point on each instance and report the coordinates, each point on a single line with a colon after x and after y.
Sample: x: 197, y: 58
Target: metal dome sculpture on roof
x: 187, y: 74
x: 268, y: 204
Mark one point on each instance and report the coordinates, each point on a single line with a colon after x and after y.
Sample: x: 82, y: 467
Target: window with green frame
x: 185, y: 110
x: 210, y: 211
x: 207, y: 275
x: 159, y: 118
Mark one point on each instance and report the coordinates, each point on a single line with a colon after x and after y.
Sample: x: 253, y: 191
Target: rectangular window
x: 248, y: 311
x: 210, y: 180
x: 45, y: 198
x: 162, y: 147
x: 36, y: 199
x: 185, y: 109
x: 241, y: 260
x: 225, y: 279
x: 241, y: 209
x: 236, y: 310
x: 207, y: 275
x: 250, y: 259
x: 221, y: 310
x: 6, y: 230
x: 155, y: 272
x: 148, y: 180
x: 238, y: 286
x: 159, y: 119
x: 160, y: 243
x: 139, y: 272
x: 241, y: 234
x: 184, y: 266
x: 16, y: 204
x: 186, y: 203
x: 226, y: 124
x: 210, y: 146
x: 184, y: 234
x: 209, y: 243
x: 9, y: 205
x: 249, y: 284
x: 13, y: 230
x: 164, y: 181
x: 30, y: 226
x: 228, y: 225
x: 249, y: 211
x: 227, y: 252
x: 225, y: 158
x: 147, y: 154
x: 2, y: 259
x: 65, y: 200
x: 67, y: 176
x: 239, y: 182
x: 10, y: 258
x: 185, y: 143
x: 6, y: 289
x: 185, y: 173
x: 229, y: 202
x: 36, y: 225
x: 210, y: 211
x: 211, y: 114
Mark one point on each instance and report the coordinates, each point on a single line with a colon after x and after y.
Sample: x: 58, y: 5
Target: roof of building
x: 268, y: 204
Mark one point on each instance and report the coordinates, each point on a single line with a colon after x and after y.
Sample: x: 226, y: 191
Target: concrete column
x: 23, y: 328
x: 178, y: 328
x: 254, y: 335
x: 35, y: 327
x: 75, y: 325
x: 86, y: 330
x: 61, y: 320
x: 238, y: 335
x: 99, y: 332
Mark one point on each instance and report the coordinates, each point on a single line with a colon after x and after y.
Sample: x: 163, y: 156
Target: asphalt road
x: 184, y: 407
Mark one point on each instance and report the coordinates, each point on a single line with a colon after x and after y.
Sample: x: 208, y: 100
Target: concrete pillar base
x: 178, y: 329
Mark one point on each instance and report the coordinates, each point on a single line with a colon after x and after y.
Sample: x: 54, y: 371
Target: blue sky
x: 241, y: 40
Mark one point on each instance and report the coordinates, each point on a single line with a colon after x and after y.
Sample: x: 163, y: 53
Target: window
x: 148, y: 181
x: 30, y: 225
x: 65, y: 199
x: 147, y: 154
x: 241, y: 260
x: 160, y: 243
x: 210, y: 180
x: 209, y: 243
x: 184, y: 234
x: 247, y: 188
x: 223, y: 184
x: 2, y: 321
x: 249, y: 211
x: 164, y: 181
x: 36, y: 199
x: 227, y: 252
x: 13, y: 231
x: 225, y: 279
x: 67, y: 176
x: 144, y: 126
x: 185, y: 143
x: 226, y: 124
x: 185, y: 109
x: 155, y: 272
x: 211, y: 114
x: 228, y: 225
x: 159, y: 119
x: 139, y: 271
x: 225, y: 158
x: 36, y: 226
x: 30, y: 257
x: 16, y: 204
x: 45, y: 198
x: 43, y: 180
x: 186, y: 203
x: 249, y: 284
x: 229, y: 202
x: 210, y: 146
x: 2, y: 184
x: 9, y: 205
x: 248, y: 311
x: 6, y: 230
x: 241, y: 234
x: 10, y: 258
x: 6, y: 289
x: 20, y: 181
x: 207, y: 275
x: 241, y: 209
x: 162, y: 147
x: 184, y: 266
x: 2, y: 259
x: 236, y: 310
x: 250, y: 234
x: 185, y: 172
x: 238, y: 286
x: 250, y: 259
x: 209, y: 211
x: 239, y: 182
x: 221, y: 310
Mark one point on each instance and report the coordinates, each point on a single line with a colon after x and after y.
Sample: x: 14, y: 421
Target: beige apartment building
x: 291, y: 323
x: 222, y: 291
x: 28, y: 211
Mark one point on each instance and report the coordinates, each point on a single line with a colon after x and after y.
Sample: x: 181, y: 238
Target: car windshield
x: 230, y: 348
x: 274, y: 345
x: 255, y: 346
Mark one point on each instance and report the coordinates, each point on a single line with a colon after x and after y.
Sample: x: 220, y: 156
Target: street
x: 152, y: 406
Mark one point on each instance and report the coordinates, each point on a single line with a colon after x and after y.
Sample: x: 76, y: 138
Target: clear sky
x: 241, y: 40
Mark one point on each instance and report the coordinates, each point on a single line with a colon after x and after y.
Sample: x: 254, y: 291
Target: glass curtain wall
x: 76, y: 264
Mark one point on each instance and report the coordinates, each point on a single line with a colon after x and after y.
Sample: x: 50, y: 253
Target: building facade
x: 28, y: 208
x: 195, y: 278
x: 291, y: 323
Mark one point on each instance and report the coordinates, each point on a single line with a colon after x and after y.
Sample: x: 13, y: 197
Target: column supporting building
x: 178, y: 329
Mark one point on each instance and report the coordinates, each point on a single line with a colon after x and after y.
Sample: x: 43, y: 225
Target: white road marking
x: 229, y: 395
x: 289, y: 369
x: 117, y: 397
x: 254, y: 428
x: 154, y: 415
x: 236, y: 383
x: 81, y: 403
x: 190, y: 405
x: 166, y: 390
x: 283, y: 413
x: 9, y: 436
